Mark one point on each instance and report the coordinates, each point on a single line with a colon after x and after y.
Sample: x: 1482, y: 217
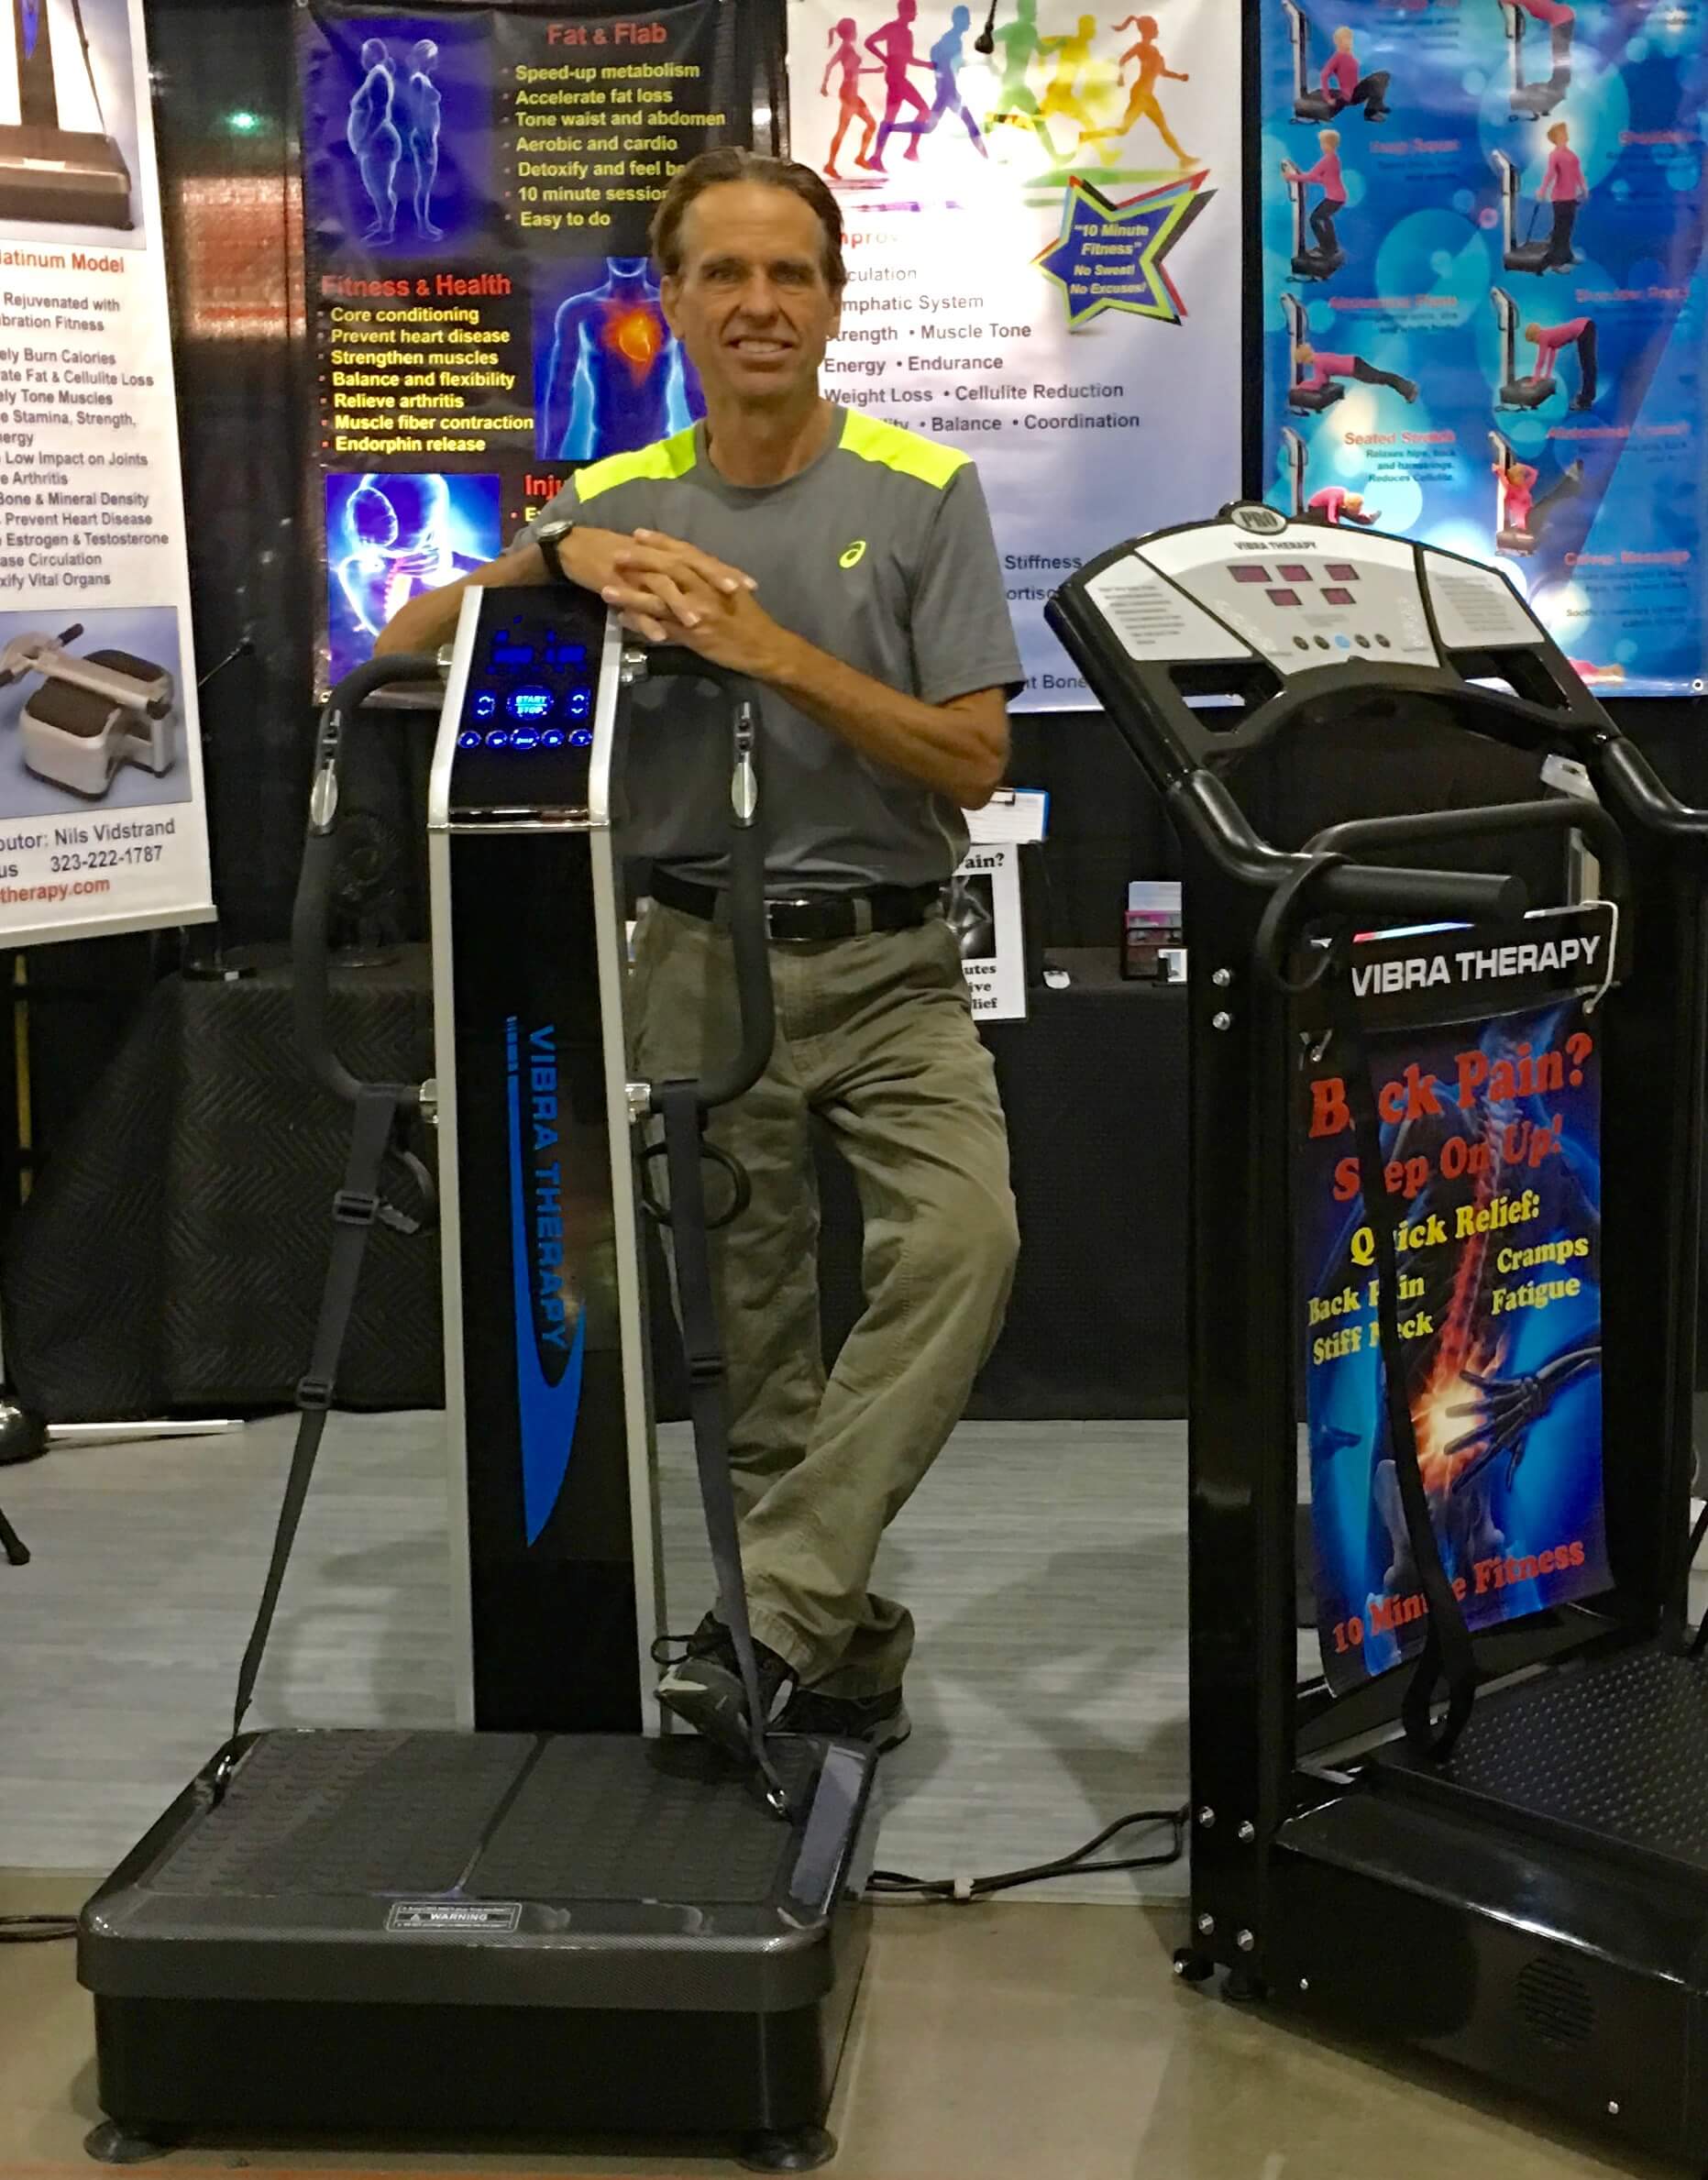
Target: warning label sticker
x: 450, y: 1917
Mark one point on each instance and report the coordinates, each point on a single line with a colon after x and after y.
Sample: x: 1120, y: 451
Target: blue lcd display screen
x: 526, y: 734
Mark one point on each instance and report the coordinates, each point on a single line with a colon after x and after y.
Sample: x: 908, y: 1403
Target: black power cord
x: 888, y: 1884
x: 35, y: 1930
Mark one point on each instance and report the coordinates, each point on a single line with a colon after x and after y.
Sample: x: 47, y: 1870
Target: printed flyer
x: 477, y: 188
x: 1489, y: 1104
x: 1484, y: 300
x: 984, y: 912
x: 103, y: 827
x: 1043, y: 224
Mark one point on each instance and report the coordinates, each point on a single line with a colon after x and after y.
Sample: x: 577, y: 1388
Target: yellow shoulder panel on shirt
x: 665, y: 457
x: 875, y: 441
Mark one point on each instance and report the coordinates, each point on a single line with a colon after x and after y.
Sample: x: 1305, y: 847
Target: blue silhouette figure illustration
x: 372, y: 135
x: 618, y: 378
x: 418, y: 109
x: 396, y: 542
x: 947, y: 58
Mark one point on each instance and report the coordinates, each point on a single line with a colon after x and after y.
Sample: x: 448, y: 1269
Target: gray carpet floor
x: 1045, y: 1565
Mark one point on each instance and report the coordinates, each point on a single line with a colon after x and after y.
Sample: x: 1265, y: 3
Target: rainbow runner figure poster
x: 1043, y: 240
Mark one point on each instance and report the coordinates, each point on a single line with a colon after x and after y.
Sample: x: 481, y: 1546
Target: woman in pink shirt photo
x: 1334, y: 505
x: 1564, y: 188
x: 1319, y: 367
x: 1518, y: 523
x: 1549, y: 340
x: 1327, y: 177
x: 1345, y: 84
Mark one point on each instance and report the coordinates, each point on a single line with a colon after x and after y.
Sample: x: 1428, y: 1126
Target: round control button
x: 524, y: 738
x: 469, y: 739
x: 1362, y: 642
x: 1301, y: 643
x: 553, y: 737
x: 578, y: 703
x: 1322, y: 644
x: 1382, y: 643
x: 1343, y: 642
x: 582, y: 738
x: 499, y: 738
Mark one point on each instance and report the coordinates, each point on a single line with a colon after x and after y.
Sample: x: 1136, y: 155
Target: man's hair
x: 728, y: 164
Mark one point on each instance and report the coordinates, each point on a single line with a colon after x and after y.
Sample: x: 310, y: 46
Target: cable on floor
x: 888, y: 1884
x: 35, y: 1929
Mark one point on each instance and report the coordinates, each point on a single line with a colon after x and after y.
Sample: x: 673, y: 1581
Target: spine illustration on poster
x: 478, y: 183
x: 1485, y: 301
x: 102, y: 823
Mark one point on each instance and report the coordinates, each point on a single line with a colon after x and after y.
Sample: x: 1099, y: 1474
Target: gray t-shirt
x: 880, y: 553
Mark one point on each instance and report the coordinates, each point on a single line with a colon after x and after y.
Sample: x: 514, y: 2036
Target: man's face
x: 750, y: 303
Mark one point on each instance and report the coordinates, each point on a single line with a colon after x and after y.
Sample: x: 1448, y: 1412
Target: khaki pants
x: 874, y: 1035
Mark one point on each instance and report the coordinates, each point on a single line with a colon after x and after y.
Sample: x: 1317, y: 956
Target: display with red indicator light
x: 1337, y: 597
x: 1284, y: 597
x: 1297, y: 573
x: 1249, y: 571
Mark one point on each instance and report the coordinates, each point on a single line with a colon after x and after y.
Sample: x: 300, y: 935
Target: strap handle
x: 353, y: 1209
x: 1446, y: 1656
x: 678, y: 1105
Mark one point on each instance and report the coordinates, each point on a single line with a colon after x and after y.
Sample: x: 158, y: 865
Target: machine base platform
x: 62, y: 175
x: 428, y: 1931
x: 1538, y: 1907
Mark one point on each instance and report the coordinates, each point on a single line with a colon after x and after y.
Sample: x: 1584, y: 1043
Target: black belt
x: 806, y: 917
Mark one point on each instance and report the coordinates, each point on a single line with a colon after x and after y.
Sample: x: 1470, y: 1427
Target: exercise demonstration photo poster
x: 1484, y: 300
x: 477, y: 187
x: 1490, y: 1143
x: 1043, y: 216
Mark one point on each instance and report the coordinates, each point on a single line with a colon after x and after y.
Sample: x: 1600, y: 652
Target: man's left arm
x: 952, y: 737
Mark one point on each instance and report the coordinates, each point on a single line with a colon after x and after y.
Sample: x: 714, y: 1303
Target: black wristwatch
x: 551, y: 537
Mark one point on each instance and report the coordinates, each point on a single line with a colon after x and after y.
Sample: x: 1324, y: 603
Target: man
x: 1345, y: 85
x: 1328, y: 178
x: 1565, y: 189
x: 846, y: 567
x: 1334, y: 505
x: 1549, y: 340
x: 1318, y: 367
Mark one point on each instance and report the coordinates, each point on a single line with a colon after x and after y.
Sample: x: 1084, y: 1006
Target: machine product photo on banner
x: 101, y: 821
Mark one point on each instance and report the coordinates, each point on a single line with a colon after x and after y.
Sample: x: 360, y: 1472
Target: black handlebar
x: 310, y: 912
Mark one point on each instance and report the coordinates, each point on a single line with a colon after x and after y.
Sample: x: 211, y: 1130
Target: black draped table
x: 171, y: 1254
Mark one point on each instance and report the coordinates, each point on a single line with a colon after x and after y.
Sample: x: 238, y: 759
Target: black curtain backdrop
x: 225, y: 118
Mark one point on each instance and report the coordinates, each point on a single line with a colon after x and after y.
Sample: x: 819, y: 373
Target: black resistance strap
x: 702, y: 1344
x: 353, y: 1209
x: 1446, y: 1656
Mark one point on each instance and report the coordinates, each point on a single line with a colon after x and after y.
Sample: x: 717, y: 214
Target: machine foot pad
x: 114, y: 2143
x: 799, y: 2149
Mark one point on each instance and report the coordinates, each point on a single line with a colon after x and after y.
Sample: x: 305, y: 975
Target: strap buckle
x: 314, y: 1394
x: 705, y: 1368
x: 791, y: 900
x: 356, y: 1206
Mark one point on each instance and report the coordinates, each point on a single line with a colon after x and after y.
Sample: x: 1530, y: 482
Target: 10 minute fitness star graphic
x: 1484, y: 230
x: 1043, y: 210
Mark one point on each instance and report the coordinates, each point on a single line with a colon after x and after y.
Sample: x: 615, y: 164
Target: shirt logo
x: 852, y: 555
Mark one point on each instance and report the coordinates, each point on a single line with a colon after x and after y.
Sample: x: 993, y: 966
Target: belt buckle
x: 789, y: 900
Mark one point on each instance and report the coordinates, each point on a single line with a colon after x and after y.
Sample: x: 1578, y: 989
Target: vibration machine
x: 557, y: 1918
x: 1450, y: 977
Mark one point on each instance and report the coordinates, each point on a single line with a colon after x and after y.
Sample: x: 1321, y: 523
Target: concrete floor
x: 991, y: 2042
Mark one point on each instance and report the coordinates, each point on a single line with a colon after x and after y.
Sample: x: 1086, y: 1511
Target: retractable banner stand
x: 1044, y: 233
x: 476, y: 185
x: 101, y: 822
x: 1489, y: 1100
x: 1484, y: 230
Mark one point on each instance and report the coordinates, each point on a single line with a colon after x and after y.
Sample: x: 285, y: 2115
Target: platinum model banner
x: 1044, y: 242
x: 103, y: 826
